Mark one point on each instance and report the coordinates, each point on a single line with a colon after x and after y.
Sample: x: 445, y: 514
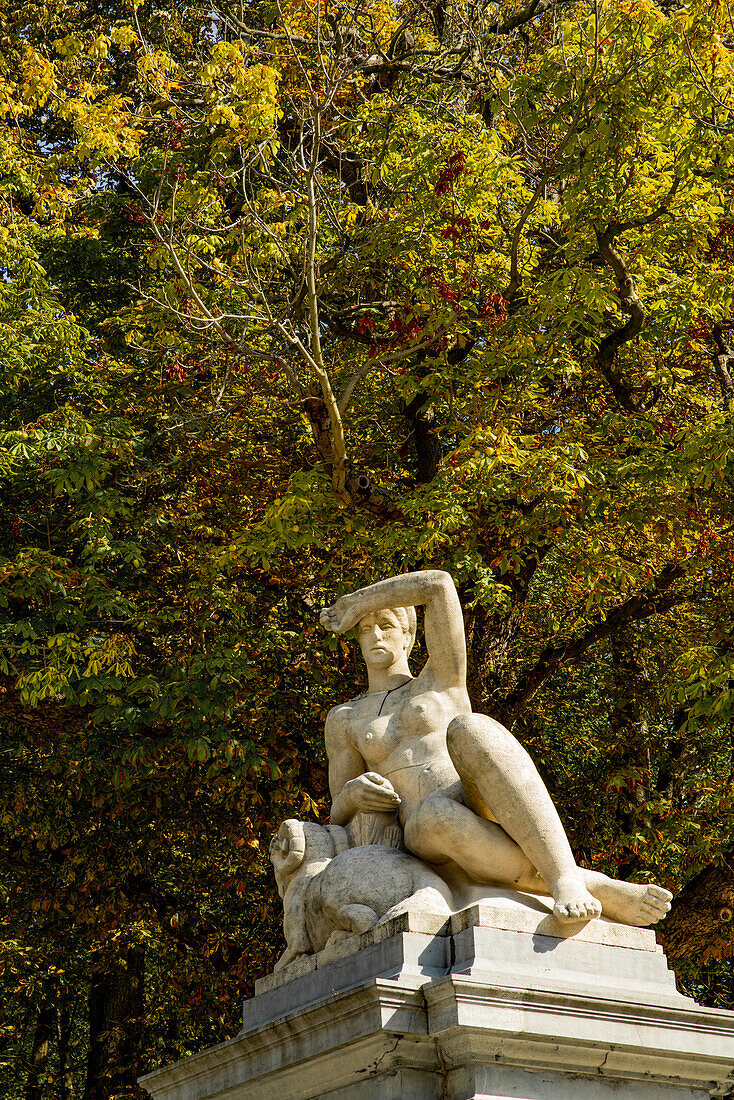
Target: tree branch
x: 515, y: 276
x: 653, y: 602
x: 723, y: 364
x: 628, y: 300
x: 535, y: 7
x: 339, y: 455
x: 631, y: 304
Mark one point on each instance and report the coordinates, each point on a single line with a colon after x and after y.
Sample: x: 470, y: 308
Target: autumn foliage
x: 295, y: 296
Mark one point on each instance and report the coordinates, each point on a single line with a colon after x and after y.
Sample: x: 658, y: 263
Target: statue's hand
x: 372, y: 793
x: 342, y: 615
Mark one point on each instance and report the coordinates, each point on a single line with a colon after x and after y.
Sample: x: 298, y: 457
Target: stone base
x: 499, y: 1001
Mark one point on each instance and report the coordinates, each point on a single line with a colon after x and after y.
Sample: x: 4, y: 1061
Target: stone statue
x: 331, y: 889
x: 470, y: 988
x: 466, y: 793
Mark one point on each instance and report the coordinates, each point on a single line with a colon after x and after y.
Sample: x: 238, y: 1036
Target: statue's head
x: 386, y: 636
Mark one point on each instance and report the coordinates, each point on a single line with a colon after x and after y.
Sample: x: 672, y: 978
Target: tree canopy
x: 296, y: 295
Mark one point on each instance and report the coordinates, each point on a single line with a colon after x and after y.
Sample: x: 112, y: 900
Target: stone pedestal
x: 499, y: 1001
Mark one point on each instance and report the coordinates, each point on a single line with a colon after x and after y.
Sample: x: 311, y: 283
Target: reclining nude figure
x: 464, y: 788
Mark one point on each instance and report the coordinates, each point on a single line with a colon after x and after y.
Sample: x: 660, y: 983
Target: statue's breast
x: 426, y: 713
x: 375, y: 738
x: 408, y: 734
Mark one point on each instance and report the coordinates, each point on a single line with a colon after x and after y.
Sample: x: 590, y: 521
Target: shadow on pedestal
x: 498, y: 1001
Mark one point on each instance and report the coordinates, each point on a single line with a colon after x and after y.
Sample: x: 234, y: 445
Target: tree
x: 297, y: 296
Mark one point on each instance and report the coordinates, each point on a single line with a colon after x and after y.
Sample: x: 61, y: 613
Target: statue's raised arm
x: 432, y: 589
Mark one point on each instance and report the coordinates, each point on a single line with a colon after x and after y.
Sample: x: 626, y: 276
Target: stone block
x: 531, y: 913
x: 486, y: 1006
x: 407, y: 958
x: 432, y: 924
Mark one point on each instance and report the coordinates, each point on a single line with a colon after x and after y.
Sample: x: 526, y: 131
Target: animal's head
x: 299, y: 841
x: 287, y: 849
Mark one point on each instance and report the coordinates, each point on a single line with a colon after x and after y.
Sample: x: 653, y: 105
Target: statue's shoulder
x: 340, y: 717
x: 347, y: 706
x: 340, y: 712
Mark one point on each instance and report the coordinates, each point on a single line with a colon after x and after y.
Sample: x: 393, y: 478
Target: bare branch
x: 339, y: 458
x: 381, y: 363
x: 727, y: 107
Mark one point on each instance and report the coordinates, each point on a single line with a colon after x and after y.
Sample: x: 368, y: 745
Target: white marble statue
x: 331, y: 889
x: 467, y: 794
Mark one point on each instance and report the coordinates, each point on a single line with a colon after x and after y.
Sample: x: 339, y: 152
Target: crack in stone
x: 370, y: 1071
x: 600, y: 1069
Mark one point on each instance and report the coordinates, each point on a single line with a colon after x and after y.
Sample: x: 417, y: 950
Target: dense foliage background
x: 300, y: 294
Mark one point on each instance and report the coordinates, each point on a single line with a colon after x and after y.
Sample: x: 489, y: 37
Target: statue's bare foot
x: 629, y: 902
x: 572, y: 901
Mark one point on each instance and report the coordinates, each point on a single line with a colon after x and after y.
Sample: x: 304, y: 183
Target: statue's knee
x: 472, y: 738
x: 464, y: 733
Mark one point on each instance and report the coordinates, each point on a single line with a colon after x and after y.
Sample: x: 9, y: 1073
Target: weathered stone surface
x: 525, y: 913
x: 499, y: 909
x: 409, y: 959
x: 334, y: 1043
x: 420, y: 921
x: 331, y: 890
x: 468, y: 1009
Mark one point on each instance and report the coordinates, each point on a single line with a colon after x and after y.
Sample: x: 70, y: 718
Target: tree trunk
x: 66, y: 1079
x: 41, y: 1042
x: 115, y: 1028
x: 630, y: 737
x: 671, y: 755
x: 699, y: 925
x: 421, y: 418
x: 475, y: 627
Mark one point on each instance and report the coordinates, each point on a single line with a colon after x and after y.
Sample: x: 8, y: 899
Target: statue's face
x: 382, y: 639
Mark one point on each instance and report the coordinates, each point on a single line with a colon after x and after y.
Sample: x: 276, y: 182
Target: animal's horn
x: 288, y: 847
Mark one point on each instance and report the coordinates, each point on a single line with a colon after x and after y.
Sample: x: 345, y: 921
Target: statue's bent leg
x: 357, y: 918
x: 439, y: 829
x: 492, y: 763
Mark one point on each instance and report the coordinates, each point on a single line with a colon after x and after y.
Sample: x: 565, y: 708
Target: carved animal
x: 330, y: 890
